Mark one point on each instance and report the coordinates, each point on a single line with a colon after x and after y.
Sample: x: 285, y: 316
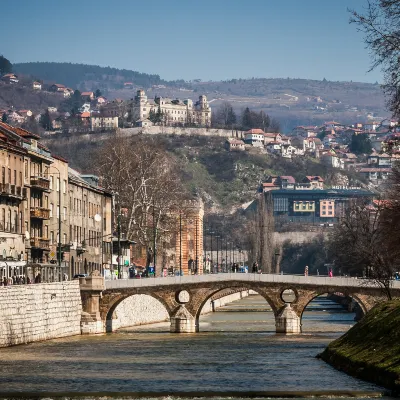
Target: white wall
x: 30, y: 313
x: 142, y: 309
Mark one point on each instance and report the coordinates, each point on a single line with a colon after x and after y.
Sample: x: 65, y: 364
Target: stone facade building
x: 174, y: 112
x: 53, y: 220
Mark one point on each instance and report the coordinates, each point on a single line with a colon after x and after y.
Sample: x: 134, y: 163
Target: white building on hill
x: 174, y: 111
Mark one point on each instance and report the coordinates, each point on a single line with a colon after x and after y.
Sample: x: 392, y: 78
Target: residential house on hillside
x: 375, y: 174
x: 103, y: 122
x: 255, y: 137
x: 57, y: 87
x: 269, y: 137
x: 379, y: 160
x: 332, y: 125
x: 143, y: 123
x: 87, y: 96
x: 232, y: 144
x: 36, y: 86
x: 331, y: 159
x: 285, y: 182
x: 10, y: 78
x: 371, y: 126
x: 305, y: 131
x: 316, y: 182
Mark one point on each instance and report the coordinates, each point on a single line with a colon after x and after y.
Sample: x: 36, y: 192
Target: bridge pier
x: 287, y: 321
x: 183, y: 321
x: 91, y: 291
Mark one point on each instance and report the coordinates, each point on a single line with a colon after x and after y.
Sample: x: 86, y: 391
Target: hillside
x: 82, y: 76
x: 24, y: 97
x: 225, y: 180
x: 371, y: 349
x: 292, y: 101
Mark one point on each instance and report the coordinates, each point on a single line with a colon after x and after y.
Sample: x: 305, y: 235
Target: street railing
x: 243, y: 277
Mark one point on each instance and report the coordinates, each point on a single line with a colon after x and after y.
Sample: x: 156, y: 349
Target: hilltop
x: 293, y: 101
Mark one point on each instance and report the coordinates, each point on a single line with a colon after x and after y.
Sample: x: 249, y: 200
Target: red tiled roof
x: 19, y: 131
x: 59, y: 158
x: 314, y: 178
x: 86, y: 93
x: 85, y: 115
x: 59, y: 85
x: 288, y: 178
x: 256, y: 131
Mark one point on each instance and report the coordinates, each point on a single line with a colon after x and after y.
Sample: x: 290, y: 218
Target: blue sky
x: 189, y: 39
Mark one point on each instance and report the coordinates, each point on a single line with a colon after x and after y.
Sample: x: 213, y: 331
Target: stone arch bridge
x: 183, y: 297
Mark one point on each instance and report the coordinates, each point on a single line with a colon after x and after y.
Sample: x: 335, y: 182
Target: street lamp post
x: 59, y: 214
x: 226, y: 254
x: 217, y: 236
x: 180, y: 243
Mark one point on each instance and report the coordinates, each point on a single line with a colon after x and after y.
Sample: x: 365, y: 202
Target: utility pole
x: 226, y: 254
x: 59, y: 223
x: 180, y: 243
x: 155, y: 237
x: 196, y: 269
x: 217, y: 253
x: 119, y: 239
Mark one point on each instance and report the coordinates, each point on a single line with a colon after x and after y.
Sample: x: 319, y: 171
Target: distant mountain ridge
x: 74, y: 75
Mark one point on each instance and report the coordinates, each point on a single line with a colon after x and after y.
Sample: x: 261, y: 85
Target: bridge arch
x: 235, y: 289
x: 115, y: 302
x: 309, y: 297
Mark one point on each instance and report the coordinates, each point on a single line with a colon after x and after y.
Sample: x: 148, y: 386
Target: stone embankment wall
x: 170, y: 130
x: 30, y: 313
x: 143, y: 309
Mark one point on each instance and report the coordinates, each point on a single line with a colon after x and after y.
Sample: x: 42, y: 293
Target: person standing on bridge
x: 306, y: 271
x: 255, y: 267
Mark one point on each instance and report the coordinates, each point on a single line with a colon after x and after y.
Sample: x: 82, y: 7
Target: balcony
x: 40, y: 243
x: 12, y: 191
x: 40, y: 213
x: 40, y: 182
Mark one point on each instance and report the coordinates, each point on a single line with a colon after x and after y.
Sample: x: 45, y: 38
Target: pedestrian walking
x: 330, y: 273
x: 306, y: 271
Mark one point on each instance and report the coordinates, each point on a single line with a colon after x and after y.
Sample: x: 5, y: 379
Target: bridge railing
x: 226, y: 277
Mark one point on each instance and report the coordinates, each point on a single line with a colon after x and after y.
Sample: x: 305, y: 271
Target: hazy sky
x: 189, y: 39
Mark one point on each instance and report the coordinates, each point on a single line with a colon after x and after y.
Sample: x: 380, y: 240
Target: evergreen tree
x: 97, y: 93
x: 45, y: 121
x: 360, y: 144
x: 247, y: 122
x: 4, y: 117
x: 152, y: 116
x: 5, y: 66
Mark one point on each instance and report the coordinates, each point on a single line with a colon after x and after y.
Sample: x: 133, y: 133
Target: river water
x: 235, y: 351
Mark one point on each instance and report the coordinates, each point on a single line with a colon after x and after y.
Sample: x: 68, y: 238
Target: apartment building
x: 13, y: 194
x: 53, y: 220
x: 90, y: 229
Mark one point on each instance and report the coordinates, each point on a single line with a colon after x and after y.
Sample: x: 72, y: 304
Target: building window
x: 51, y: 182
x: 58, y: 185
x: 65, y: 186
x: 51, y: 210
x: 64, y: 238
x: 58, y: 212
x: 51, y: 237
x: 65, y: 213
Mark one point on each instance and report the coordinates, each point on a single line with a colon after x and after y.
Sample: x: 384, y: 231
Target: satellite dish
x: 27, y: 235
x: 97, y: 217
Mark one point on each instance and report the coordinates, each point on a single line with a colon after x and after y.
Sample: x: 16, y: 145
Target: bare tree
x: 380, y: 25
x: 260, y: 228
x: 359, y: 245
x: 145, y: 178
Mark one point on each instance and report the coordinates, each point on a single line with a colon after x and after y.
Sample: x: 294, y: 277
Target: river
x: 235, y: 351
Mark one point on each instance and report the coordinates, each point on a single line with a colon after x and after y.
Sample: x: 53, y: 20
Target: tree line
x: 225, y: 117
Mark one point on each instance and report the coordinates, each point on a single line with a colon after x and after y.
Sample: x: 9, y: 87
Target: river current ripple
x: 235, y: 351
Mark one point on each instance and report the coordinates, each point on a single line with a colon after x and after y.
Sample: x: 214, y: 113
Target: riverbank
x: 371, y: 349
